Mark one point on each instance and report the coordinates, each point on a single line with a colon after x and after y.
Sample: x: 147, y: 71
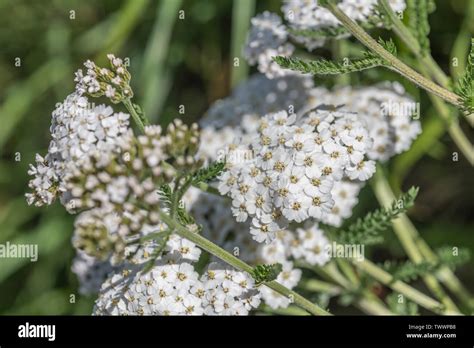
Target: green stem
x: 407, y: 37
x: 208, y: 188
x: 235, y: 262
x: 414, y: 243
x: 394, y: 63
x: 429, y: 67
x: 316, y: 285
x: 290, y: 310
x: 138, y: 120
x: 454, y: 129
x: 401, y: 287
x: 366, y: 302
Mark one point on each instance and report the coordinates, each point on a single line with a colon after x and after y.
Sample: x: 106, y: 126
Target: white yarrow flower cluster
x: 77, y: 129
x: 391, y: 116
x: 267, y: 39
x: 309, y: 15
x: 114, y: 83
x: 173, y: 287
x: 293, y: 167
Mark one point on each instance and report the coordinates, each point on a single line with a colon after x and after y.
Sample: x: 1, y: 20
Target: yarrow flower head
x: 267, y: 39
x: 173, y: 287
x: 293, y: 168
x: 310, y: 15
x: 390, y: 115
x: 77, y: 129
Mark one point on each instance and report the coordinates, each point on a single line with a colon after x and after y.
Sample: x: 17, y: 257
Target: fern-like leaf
x: 266, y: 273
x: 327, y: 67
x: 465, y: 86
x: 367, y: 230
x: 408, y: 271
x: 453, y: 257
x: 165, y: 193
x: 209, y: 173
x: 418, y: 11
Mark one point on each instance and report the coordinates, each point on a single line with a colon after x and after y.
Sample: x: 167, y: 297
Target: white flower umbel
x: 91, y: 272
x: 114, y: 83
x: 228, y: 292
x: 293, y: 167
x: 267, y: 39
x: 77, y: 129
x: 238, y: 115
x: 391, y: 116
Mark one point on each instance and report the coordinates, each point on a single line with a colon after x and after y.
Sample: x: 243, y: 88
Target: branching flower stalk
x: 217, y: 251
x: 429, y: 67
x: 147, y: 207
x: 393, y: 62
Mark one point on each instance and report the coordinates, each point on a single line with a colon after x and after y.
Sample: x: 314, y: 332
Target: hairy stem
x: 429, y: 67
x: 366, y: 302
x: 394, y: 63
x: 412, y: 43
x: 128, y: 104
x: 235, y: 262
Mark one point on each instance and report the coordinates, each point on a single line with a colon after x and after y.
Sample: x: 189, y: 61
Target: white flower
x: 267, y: 38
x: 296, y: 164
x: 311, y: 246
x: 76, y: 130
x: 263, y: 230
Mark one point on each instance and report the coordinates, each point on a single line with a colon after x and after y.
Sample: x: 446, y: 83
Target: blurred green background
x: 180, y: 62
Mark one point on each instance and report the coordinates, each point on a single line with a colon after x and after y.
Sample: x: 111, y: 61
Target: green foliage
x: 465, y: 86
x: 266, y: 273
x: 404, y: 307
x: 328, y: 67
x: 140, y: 114
x: 409, y: 271
x: 166, y: 194
x: 418, y: 11
x: 184, y: 218
x: 367, y: 230
x: 389, y: 45
x: 453, y: 257
x: 159, y: 241
x: 209, y: 173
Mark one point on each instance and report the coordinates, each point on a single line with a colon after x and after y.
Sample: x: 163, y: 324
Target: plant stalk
x: 394, y: 62
x: 235, y: 262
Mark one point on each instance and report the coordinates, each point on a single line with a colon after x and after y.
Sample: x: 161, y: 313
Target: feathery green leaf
x: 266, y: 273
x: 465, y: 85
x: 418, y: 11
x: 453, y: 257
x: 408, y: 271
x: 327, y: 67
x: 367, y: 230
x: 209, y: 173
